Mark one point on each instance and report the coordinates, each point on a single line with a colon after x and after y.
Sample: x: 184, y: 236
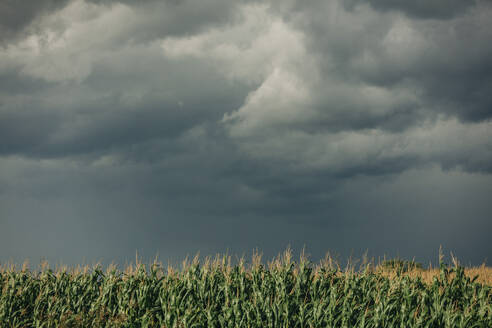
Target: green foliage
x: 285, y: 294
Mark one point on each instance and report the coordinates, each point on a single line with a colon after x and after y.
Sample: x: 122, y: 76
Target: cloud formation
x: 339, y: 125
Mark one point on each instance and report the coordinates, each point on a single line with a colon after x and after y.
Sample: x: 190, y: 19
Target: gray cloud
x: 151, y: 19
x: 111, y: 109
x: 436, y: 9
x: 108, y: 212
x: 16, y: 16
x: 385, y: 82
x: 174, y: 127
x: 444, y: 62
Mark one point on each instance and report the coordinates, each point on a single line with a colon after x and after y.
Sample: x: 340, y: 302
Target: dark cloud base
x: 174, y: 127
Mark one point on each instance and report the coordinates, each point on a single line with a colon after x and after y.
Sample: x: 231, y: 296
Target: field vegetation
x: 281, y: 293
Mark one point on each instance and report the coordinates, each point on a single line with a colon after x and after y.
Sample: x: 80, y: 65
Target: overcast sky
x: 172, y: 127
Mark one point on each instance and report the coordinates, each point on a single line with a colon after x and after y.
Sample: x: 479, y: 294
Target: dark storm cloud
x: 178, y: 208
x: 180, y: 126
x: 446, y: 63
x: 421, y: 9
x: 158, y: 19
x: 379, y: 72
x: 16, y: 16
x: 23, y: 132
x: 169, y: 97
x: 13, y: 83
x: 113, y: 110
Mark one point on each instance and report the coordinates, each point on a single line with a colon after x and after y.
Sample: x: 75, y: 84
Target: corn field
x: 284, y: 293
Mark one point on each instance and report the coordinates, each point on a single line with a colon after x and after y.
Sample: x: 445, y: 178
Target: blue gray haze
x: 172, y: 127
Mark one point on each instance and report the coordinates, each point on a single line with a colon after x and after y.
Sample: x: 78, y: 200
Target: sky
x: 174, y: 127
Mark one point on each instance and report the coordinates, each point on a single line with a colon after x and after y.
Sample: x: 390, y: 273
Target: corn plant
x: 284, y: 293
